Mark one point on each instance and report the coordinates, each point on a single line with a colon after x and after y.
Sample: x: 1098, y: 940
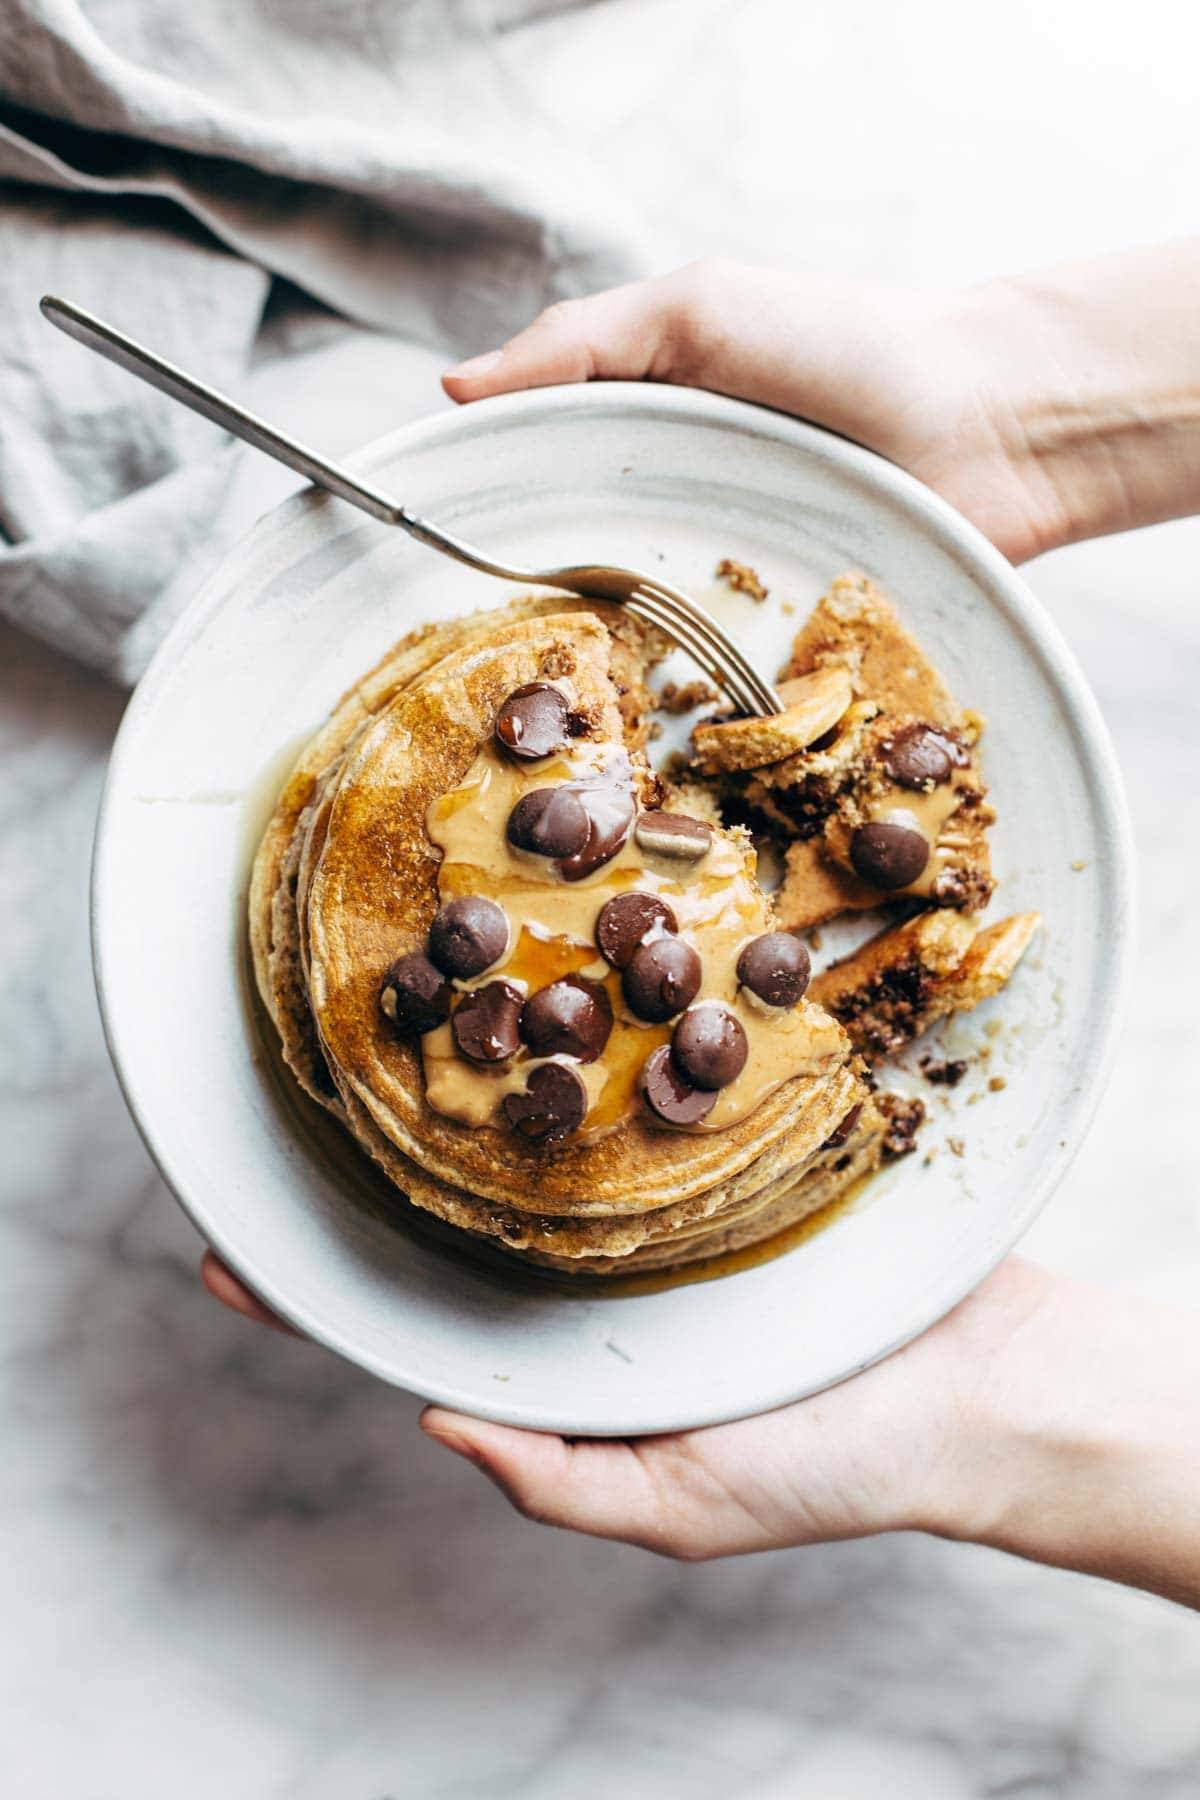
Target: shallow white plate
x: 652, y: 477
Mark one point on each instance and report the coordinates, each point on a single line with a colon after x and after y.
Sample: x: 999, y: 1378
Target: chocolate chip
x: 674, y: 835
x: 485, y: 1023
x: 776, y: 967
x: 888, y: 856
x: 669, y: 1094
x: 919, y: 757
x: 660, y: 979
x: 553, y: 1104
x: 550, y: 821
x: 841, y: 1132
x: 609, y: 811
x: 944, y: 1074
x: 414, y: 995
x: 710, y: 1046
x: 567, y: 1018
x: 468, y: 936
x: 533, y: 722
x: 625, y: 923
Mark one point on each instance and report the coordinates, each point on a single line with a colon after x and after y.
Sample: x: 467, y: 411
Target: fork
x: 648, y: 598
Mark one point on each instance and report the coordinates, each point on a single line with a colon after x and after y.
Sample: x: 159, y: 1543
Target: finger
x: 611, y: 336
x: 605, y: 1489
x: 226, y: 1288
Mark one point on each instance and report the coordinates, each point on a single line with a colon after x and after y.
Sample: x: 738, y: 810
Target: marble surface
x: 231, y: 1565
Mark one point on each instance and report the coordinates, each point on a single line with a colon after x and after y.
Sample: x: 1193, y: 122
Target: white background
x: 229, y: 1564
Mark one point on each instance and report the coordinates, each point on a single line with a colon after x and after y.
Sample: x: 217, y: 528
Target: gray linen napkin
x: 244, y: 185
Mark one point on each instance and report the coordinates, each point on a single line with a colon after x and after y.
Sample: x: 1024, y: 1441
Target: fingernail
x: 478, y: 365
x: 459, y: 1445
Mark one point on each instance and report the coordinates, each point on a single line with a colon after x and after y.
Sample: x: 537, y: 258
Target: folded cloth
x: 239, y: 186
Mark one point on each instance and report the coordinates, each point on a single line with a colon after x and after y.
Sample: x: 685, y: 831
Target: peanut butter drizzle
x: 718, y: 906
x: 927, y: 813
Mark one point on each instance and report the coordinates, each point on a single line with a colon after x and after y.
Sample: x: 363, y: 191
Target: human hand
x: 884, y: 1451
x: 909, y: 373
x: 1046, y: 409
x: 1040, y: 1416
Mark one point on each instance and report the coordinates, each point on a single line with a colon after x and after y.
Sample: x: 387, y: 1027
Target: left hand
x: 885, y: 1451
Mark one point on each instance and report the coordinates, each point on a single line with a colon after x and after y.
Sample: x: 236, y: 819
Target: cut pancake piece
x: 853, y: 627
x: 898, y: 984
x: 888, y: 802
x: 813, y: 704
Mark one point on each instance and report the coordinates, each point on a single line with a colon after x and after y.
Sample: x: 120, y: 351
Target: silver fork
x: 648, y: 598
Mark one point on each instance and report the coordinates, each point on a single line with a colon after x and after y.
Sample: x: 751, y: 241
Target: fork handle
x: 95, y: 334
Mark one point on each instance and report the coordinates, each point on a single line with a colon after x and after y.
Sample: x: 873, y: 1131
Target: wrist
x: 1070, y: 1441
x: 988, y: 1448
x: 1089, y: 381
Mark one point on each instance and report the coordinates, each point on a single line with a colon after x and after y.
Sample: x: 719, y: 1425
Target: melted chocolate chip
x: 550, y: 821
x: 554, y: 1103
x: 840, y: 1133
x: 567, y: 1018
x: 533, y: 722
x: 468, y: 936
x: 710, y: 1046
x: 625, y: 923
x: 485, y: 1023
x: 776, y: 967
x: 609, y: 811
x: 888, y: 856
x: 673, y: 835
x: 669, y: 1094
x: 661, y: 979
x: 920, y: 757
x: 414, y: 995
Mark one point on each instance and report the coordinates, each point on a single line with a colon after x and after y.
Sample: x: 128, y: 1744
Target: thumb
x: 617, y: 335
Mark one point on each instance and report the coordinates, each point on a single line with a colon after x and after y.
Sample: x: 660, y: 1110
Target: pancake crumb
x: 742, y: 577
x: 904, y: 1116
x: 678, y: 698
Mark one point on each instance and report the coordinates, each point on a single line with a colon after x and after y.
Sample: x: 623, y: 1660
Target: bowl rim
x: 965, y: 545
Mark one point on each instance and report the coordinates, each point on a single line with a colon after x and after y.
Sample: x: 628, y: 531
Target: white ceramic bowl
x: 648, y: 476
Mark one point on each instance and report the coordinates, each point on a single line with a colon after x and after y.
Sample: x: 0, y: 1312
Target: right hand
x: 931, y: 380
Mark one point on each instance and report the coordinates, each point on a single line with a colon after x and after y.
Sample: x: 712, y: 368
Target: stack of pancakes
x: 346, y: 880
